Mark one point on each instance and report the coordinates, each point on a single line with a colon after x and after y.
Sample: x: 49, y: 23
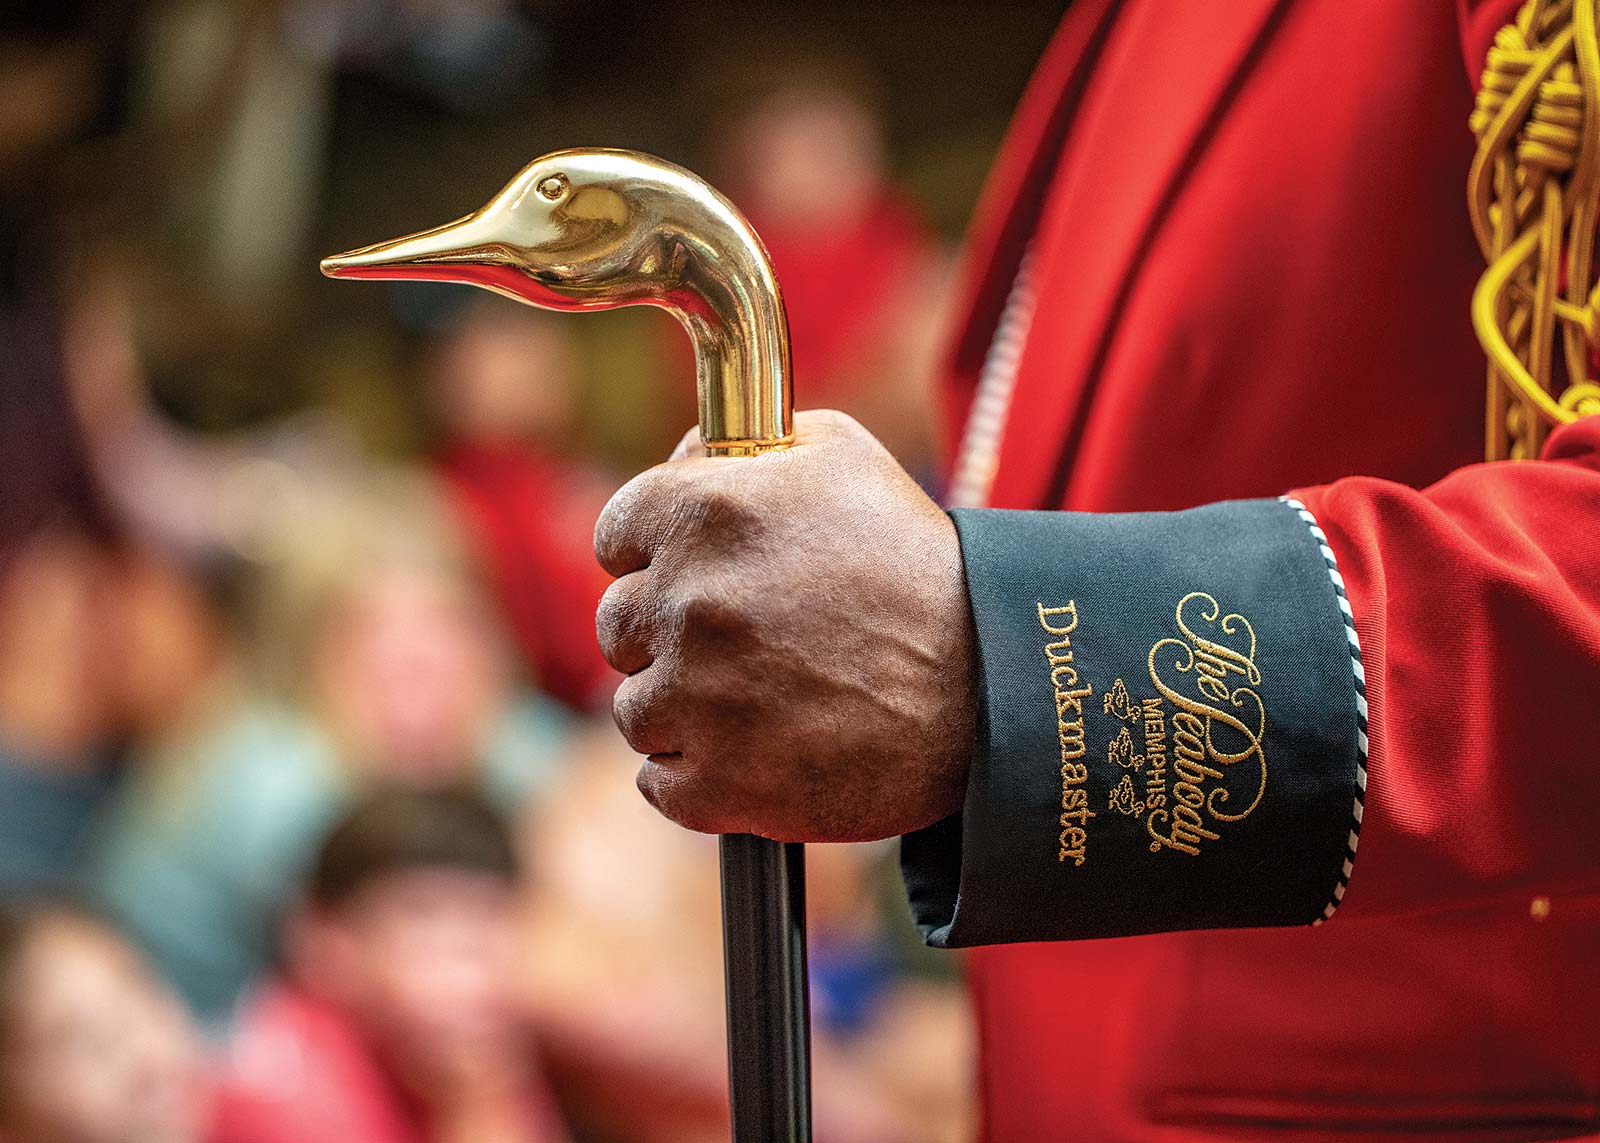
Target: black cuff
x: 1168, y: 737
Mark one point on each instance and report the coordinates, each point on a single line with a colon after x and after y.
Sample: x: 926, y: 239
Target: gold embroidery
x: 1122, y: 797
x: 1533, y: 193
x: 1120, y: 751
x: 1201, y: 733
x: 1116, y: 702
x: 1069, y: 697
x: 1185, y: 834
x: 1215, y: 726
x: 1155, y: 751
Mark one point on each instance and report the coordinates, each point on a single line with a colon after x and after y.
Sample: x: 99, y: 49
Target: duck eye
x: 552, y: 187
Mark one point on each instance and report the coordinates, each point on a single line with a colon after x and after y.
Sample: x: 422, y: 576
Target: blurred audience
x: 503, y: 387
x: 242, y: 534
x: 104, y: 641
x: 93, y: 1047
x: 58, y: 717
x: 625, y: 931
x: 207, y: 500
x: 375, y: 661
x: 893, y: 1037
x: 100, y: 646
x: 393, y: 1019
x: 56, y: 749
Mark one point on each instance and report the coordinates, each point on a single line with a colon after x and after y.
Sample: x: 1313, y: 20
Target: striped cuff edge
x: 1359, y: 680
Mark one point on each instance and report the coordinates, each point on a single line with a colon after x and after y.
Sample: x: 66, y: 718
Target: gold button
x: 1539, y: 909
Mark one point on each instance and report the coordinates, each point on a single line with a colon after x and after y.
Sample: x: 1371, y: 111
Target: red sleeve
x: 1477, y: 604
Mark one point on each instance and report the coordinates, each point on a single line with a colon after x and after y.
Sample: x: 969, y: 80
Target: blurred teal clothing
x: 46, y: 809
x: 199, y: 856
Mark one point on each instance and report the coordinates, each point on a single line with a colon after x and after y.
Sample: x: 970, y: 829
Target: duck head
x: 597, y: 229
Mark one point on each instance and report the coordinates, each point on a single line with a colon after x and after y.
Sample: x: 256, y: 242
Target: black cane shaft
x: 764, y: 956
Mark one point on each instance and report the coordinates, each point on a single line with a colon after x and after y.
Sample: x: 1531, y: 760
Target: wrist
x: 959, y: 732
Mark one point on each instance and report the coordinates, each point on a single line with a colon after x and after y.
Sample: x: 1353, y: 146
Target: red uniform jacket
x: 1251, y: 264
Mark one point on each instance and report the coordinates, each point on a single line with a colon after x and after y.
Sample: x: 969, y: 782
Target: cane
x: 598, y: 229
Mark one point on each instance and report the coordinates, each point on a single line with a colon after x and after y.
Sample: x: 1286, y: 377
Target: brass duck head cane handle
x: 589, y: 229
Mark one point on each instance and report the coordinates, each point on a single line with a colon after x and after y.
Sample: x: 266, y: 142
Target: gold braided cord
x: 1534, y: 196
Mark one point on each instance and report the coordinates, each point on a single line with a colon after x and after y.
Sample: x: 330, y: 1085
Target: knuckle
x: 608, y: 530
x: 638, y: 710
x: 648, y: 780
x: 706, y: 614
x: 621, y: 621
x: 680, y: 794
x: 674, y: 510
x: 617, y: 509
x: 719, y: 509
x: 615, y: 515
x: 833, y: 422
x: 622, y: 527
x: 618, y: 610
x: 838, y: 431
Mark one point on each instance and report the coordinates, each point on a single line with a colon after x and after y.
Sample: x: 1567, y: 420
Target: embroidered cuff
x: 1171, y: 733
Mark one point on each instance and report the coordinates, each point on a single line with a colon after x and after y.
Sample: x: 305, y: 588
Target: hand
x: 797, y: 637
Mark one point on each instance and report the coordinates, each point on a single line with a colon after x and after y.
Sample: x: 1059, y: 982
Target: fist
x: 795, y: 631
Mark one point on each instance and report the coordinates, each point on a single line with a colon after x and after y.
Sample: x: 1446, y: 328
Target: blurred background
x: 313, y: 822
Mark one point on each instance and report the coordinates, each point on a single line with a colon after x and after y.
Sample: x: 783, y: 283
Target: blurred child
x: 378, y: 663
x: 394, y: 1019
x: 93, y: 1048
x: 57, y: 717
x: 100, y: 645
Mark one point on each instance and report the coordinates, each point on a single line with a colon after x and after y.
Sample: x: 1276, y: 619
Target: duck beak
x: 455, y: 252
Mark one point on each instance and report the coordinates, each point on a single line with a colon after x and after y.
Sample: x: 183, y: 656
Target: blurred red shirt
x: 532, y: 516
x: 300, y: 1070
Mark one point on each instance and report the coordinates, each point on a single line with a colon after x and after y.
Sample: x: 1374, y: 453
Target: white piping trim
x: 1359, y: 678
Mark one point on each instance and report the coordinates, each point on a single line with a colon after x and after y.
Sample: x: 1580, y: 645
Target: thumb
x: 689, y: 445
